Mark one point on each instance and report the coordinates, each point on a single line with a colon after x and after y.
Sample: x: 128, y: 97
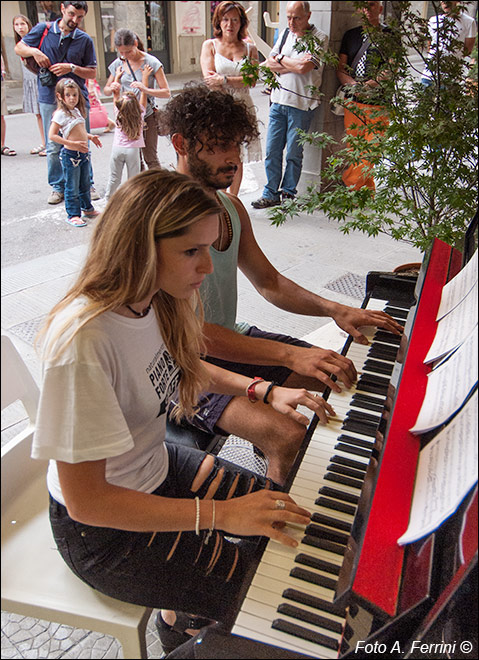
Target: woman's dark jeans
x: 169, y: 570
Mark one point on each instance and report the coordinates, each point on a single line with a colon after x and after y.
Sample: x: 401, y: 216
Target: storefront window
x: 116, y: 15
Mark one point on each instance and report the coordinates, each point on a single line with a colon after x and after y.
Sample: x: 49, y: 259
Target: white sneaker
x: 55, y: 197
x: 94, y: 194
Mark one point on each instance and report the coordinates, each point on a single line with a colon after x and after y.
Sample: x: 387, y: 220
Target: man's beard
x: 204, y: 174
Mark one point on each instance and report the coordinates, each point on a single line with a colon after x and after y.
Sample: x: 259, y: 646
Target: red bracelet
x: 250, y: 390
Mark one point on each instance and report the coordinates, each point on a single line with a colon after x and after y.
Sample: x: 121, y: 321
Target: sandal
x: 173, y: 636
x: 93, y: 213
x: 37, y: 150
x: 6, y: 151
x: 42, y: 153
x: 75, y: 221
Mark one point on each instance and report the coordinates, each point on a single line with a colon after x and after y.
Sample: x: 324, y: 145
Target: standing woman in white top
x: 133, y: 59
x: 221, y: 61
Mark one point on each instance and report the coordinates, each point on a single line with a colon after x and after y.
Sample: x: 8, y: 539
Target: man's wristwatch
x: 73, y: 67
x: 279, y: 58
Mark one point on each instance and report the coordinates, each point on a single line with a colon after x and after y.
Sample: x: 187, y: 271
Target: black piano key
x: 357, y: 442
x: 334, y: 505
x: 395, y: 312
x: 322, y: 519
x: 346, y: 471
x: 363, y: 416
x: 313, y: 578
x: 378, y: 367
x: 357, y: 451
x: 362, y: 397
x: 310, y: 617
x: 313, y: 601
x: 346, y: 481
x: 383, y: 352
x: 327, y: 491
x: 364, y: 405
x: 349, y: 462
x: 387, y: 337
x: 325, y: 533
x: 305, y: 633
x: 316, y: 562
x: 323, y: 544
x: 355, y: 426
x: 365, y: 386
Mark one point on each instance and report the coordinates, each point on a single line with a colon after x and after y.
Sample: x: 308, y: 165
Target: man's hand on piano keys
x: 286, y: 399
x: 350, y: 319
x: 257, y: 514
x: 320, y: 364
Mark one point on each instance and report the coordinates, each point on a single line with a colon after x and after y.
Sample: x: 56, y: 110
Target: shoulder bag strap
x: 283, y: 40
x: 364, y: 46
x: 45, y: 32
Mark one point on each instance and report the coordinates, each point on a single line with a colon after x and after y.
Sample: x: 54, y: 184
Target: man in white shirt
x: 292, y: 105
x: 450, y: 25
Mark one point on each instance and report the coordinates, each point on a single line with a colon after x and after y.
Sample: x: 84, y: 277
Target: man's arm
x: 286, y: 294
x: 64, y: 68
x: 23, y: 50
x: 315, y: 362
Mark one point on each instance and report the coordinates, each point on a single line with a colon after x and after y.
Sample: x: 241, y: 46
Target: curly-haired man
x: 207, y: 129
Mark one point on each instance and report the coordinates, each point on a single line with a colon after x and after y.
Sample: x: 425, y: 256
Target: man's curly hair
x: 207, y: 116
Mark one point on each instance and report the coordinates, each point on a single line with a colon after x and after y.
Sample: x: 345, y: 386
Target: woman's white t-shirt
x: 106, y: 397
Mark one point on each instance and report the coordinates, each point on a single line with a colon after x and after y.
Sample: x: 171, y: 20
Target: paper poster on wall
x: 190, y: 19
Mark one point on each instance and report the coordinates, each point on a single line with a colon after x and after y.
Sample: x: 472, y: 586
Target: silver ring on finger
x: 280, y: 504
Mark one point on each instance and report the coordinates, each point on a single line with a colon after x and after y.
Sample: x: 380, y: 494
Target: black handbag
x: 46, y: 77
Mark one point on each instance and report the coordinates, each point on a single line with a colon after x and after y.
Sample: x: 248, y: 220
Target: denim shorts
x: 211, y: 406
x: 169, y: 570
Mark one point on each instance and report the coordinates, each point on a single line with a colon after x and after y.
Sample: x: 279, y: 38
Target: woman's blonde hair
x: 60, y: 87
x: 121, y: 268
x: 129, y: 115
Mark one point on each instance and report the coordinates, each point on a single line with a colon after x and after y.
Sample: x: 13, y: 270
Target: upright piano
x: 349, y: 584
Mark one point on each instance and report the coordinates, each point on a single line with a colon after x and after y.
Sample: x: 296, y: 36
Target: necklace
x: 140, y: 315
x: 225, y: 221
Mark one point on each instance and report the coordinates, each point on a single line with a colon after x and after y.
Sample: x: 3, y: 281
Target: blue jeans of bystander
x: 284, y: 122
x: 55, y: 172
x: 76, y: 170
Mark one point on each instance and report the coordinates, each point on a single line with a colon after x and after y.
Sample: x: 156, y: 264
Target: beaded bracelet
x: 270, y: 387
x: 197, y: 524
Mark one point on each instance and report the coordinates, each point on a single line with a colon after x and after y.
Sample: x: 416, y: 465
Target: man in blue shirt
x: 68, y: 52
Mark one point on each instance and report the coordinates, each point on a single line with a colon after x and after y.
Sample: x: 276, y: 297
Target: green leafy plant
x: 423, y: 157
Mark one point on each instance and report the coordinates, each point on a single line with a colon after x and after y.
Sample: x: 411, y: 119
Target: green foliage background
x: 425, y: 160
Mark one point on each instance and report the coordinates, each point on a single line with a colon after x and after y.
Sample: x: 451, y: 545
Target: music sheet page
x: 447, y: 470
x: 453, y: 328
x: 448, y: 386
x: 458, y: 288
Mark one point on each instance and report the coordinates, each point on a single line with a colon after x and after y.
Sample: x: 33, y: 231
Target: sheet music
x: 447, y: 470
x: 457, y: 289
x: 448, y: 386
x: 453, y: 328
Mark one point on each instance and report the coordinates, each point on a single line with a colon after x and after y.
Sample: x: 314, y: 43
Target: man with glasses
x: 66, y: 51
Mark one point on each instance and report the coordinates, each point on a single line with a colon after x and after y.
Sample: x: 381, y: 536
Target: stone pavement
x: 311, y: 250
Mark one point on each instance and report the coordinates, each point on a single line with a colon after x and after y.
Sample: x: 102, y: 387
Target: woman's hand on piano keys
x: 350, y: 319
x: 285, y: 400
x: 258, y: 514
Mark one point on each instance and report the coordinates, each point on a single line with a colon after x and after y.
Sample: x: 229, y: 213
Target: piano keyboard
x: 289, y: 603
